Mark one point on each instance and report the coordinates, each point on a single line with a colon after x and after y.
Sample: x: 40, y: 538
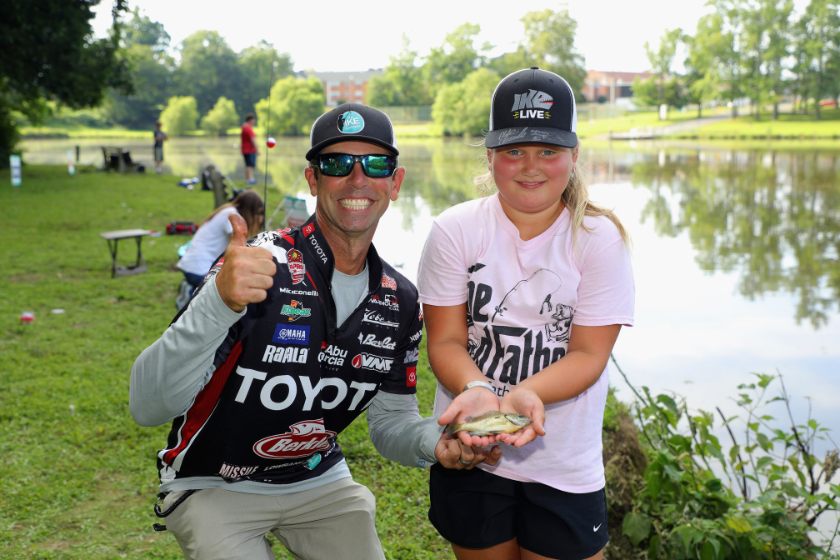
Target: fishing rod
x: 270, y: 142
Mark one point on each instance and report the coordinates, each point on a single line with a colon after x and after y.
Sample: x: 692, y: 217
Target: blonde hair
x: 575, y: 197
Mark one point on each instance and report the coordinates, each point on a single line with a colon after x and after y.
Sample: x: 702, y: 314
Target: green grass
x: 82, y: 132
x: 787, y: 127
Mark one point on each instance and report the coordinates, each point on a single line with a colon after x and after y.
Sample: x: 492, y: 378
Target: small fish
x: 490, y: 424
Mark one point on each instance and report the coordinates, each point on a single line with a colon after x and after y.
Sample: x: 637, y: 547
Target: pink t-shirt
x: 523, y: 298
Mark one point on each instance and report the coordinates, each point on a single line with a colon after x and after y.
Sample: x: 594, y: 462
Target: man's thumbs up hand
x: 247, y: 273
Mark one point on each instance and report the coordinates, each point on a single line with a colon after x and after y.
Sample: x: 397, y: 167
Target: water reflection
x: 774, y: 218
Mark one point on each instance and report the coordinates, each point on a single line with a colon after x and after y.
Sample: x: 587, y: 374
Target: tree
x: 50, y: 54
x: 662, y: 59
x: 220, y: 118
x: 402, y: 84
x: 464, y: 108
x: 180, y: 116
x: 209, y: 69
x: 705, y: 52
x: 255, y: 64
x: 295, y: 104
x: 511, y: 62
x: 550, y: 43
x: 455, y: 58
x: 822, y: 29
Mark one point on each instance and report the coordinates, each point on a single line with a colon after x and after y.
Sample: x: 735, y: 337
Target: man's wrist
x: 484, y: 384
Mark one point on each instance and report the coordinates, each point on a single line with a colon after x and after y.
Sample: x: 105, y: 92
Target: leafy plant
x: 760, y: 498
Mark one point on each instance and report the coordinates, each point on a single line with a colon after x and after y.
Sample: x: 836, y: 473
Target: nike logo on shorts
x: 595, y: 529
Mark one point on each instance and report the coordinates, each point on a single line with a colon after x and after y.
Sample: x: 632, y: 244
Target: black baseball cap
x: 351, y: 121
x: 533, y: 105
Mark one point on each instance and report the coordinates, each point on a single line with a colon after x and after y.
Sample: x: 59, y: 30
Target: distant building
x: 349, y: 87
x: 611, y: 86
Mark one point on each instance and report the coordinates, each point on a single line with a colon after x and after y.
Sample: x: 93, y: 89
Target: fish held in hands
x: 490, y: 424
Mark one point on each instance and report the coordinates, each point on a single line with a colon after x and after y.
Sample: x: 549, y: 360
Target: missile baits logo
x: 296, y: 267
x: 532, y: 105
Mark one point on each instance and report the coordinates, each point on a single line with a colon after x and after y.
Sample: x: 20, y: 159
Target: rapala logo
x: 371, y: 362
x: 332, y: 355
x: 295, y: 311
x: 373, y: 316
x: 285, y: 355
x: 388, y: 282
x: 412, y: 356
x: 296, y: 267
x: 371, y: 340
x: 303, y: 438
x: 411, y: 376
x: 287, y: 387
x: 321, y: 254
x: 232, y: 471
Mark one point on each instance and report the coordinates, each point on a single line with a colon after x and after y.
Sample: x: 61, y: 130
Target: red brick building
x: 610, y: 85
x: 350, y: 87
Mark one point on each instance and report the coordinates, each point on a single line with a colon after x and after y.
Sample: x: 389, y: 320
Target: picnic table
x: 113, y: 238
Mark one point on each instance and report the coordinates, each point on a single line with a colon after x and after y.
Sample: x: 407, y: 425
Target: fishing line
x: 267, y: 134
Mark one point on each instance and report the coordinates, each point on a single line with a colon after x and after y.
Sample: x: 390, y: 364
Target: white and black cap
x: 351, y: 121
x: 533, y: 105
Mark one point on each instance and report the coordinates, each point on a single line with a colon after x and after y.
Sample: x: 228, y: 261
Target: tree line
x: 755, y: 52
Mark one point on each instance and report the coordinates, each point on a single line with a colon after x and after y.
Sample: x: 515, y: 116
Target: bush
x: 221, y: 117
x: 776, y: 487
x: 295, y: 104
x: 180, y: 116
x: 464, y: 107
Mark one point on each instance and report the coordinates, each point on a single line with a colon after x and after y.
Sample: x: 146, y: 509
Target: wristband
x: 484, y: 384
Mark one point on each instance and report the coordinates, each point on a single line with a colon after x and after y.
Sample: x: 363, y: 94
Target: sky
x: 333, y: 36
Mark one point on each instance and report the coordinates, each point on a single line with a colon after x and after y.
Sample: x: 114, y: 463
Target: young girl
x: 524, y: 293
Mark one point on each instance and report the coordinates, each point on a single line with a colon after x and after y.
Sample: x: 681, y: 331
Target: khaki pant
x: 333, y: 522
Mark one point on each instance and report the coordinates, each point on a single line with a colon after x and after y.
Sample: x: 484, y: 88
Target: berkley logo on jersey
x: 371, y: 362
x: 303, y: 438
x: 296, y: 267
x: 332, y: 355
x: 412, y: 356
x: 285, y: 334
x: 373, y: 316
x: 232, y: 471
x: 411, y: 376
x: 285, y: 354
x: 295, y: 311
x: 371, y: 340
x: 388, y: 282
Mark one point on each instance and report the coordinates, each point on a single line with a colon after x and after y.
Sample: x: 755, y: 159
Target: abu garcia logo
x: 530, y: 105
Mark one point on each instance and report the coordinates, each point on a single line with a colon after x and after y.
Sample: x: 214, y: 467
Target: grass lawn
x: 787, y: 127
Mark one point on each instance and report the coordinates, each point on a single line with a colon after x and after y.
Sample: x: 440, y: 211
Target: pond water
x: 735, y: 252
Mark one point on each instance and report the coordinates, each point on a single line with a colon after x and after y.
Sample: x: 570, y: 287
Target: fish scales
x: 491, y: 423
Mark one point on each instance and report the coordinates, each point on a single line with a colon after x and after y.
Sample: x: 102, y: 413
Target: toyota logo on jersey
x: 304, y: 438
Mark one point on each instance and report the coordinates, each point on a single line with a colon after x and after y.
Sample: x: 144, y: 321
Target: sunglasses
x: 375, y: 166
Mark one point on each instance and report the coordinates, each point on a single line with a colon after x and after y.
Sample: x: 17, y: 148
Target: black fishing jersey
x: 287, y: 380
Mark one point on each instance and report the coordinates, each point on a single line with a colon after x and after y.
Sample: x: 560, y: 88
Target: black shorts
x: 475, y: 509
x: 250, y: 159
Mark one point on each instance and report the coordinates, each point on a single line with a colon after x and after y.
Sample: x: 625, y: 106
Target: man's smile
x: 355, y: 203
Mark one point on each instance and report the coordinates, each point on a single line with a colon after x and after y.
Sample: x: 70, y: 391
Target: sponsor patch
x: 371, y: 340
x: 285, y: 354
x: 283, y: 290
x: 296, y: 267
x: 331, y: 355
x: 317, y: 248
x: 390, y: 302
x: 301, y: 440
x: 295, y: 311
x: 371, y: 362
x: 532, y: 105
x: 307, y: 229
x: 313, y: 461
x: 373, y: 316
x: 232, y: 471
x: 416, y: 336
x: 411, y: 376
x: 286, y: 334
x: 350, y: 122
x: 412, y: 356
x: 388, y: 282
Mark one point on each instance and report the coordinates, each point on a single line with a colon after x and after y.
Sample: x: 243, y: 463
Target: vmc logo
x: 371, y: 362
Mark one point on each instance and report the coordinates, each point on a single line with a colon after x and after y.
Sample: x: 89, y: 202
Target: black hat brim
x: 318, y: 148
x: 531, y: 134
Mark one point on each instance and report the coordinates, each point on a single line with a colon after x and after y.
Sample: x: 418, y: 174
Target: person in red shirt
x: 249, y: 148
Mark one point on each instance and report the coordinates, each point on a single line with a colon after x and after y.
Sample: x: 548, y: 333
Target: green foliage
x: 152, y: 76
x: 464, y: 107
x: 295, y: 104
x: 180, y: 116
x: 220, y: 118
x: 455, y: 59
x: 652, y: 93
x: 777, y: 487
x: 403, y: 83
x: 209, y: 69
x: 550, y: 44
x: 255, y: 64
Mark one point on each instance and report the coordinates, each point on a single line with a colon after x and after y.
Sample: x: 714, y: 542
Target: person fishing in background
x: 160, y: 136
x: 524, y: 294
x: 249, y: 148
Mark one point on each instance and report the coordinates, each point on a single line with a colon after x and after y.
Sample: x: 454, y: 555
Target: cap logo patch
x: 532, y: 100
x: 350, y: 122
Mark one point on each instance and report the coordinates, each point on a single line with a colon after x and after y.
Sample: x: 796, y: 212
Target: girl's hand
x: 469, y: 404
x: 527, y: 403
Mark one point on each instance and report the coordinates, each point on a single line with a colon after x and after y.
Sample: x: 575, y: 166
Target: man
x: 289, y: 338
x: 160, y: 136
x: 249, y: 148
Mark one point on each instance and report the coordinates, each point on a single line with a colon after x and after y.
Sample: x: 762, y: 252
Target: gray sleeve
x: 398, y: 431
x: 168, y: 375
